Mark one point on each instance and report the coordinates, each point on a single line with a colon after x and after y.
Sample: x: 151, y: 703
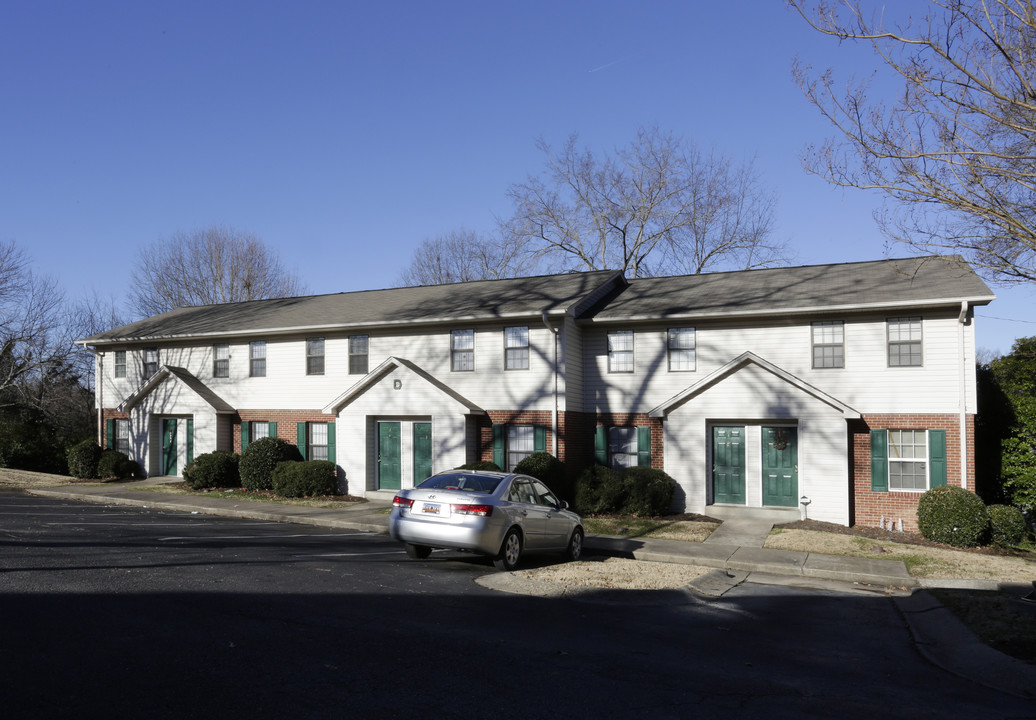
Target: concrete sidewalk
x: 736, y: 552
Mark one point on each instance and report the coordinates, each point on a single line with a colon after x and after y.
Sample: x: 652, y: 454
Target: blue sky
x: 345, y: 133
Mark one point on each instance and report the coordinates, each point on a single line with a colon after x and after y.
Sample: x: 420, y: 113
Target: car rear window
x: 468, y: 483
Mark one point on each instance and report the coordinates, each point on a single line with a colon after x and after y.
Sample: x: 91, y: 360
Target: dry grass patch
x: 617, y: 573
x: 325, y: 502
x: 689, y: 530
x: 921, y: 561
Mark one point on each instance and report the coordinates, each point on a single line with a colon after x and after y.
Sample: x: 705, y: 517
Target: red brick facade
x: 287, y: 422
x: 867, y: 507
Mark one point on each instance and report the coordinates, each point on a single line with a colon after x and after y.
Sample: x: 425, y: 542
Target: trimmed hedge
x: 479, y: 465
x: 639, y: 491
x: 83, y: 458
x: 952, y: 515
x: 547, y: 468
x: 305, y: 479
x: 218, y: 469
x: 1007, y: 525
x: 259, y: 460
x: 115, y: 465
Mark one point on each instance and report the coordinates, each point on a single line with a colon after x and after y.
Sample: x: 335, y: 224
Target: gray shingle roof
x: 848, y: 286
x: 481, y: 300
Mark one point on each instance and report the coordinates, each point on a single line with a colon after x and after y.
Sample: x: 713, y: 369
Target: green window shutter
x: 644, y: 446
x: 331, y: 442
x: 601, y: 445
x: 300, y: 438
x: 190, y: 440
x: 936, y: 457
x: 109, y: 434
x: 273, y: 429
x: 539, y: 438
x: 879, y: 461
x: 244, y: 435
x: 499, y: 446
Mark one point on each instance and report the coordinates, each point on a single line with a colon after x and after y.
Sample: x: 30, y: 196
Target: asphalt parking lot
x: 136, y: 612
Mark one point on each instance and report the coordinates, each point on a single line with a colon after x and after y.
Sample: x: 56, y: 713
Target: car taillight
x: 480, y: 510
x: 402, y: 502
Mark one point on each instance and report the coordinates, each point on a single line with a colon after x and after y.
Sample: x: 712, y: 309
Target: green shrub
x: 115, y: 465
x: 1006, y: 524
x: 83, y: 458
x: 639, y: 491
x: 259, y: 460
x: 305, y: 479
x: 547, y: 468
x: 479, y: 465
x: 952, y: 515
x: 649, y: 491
x: 219, y: 469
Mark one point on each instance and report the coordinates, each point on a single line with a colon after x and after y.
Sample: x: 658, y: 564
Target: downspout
x: 554, y: 407
x: 962, y: 319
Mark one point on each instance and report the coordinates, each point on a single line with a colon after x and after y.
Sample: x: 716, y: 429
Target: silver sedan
x: 501, y: 515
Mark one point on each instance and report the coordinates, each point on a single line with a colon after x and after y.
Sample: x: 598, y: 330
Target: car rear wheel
x: 575, y: 545
x: 510, y: 551
x: 418, y: 552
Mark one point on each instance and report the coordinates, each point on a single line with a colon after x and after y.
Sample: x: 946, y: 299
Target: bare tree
x: 206, y: 267
x: 656, y: 206
x: 464, y: 255
x: 34, y: 341
x: 956, y: 150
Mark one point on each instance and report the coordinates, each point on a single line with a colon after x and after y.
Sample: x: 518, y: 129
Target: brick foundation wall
x: 106, y: 415
x: 868, y: 507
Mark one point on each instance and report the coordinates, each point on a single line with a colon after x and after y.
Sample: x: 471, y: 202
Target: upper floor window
x: 620, y: 351
x: 828, y: 344
x: 120, y: 363
x: 315, y: 356
x: 516, y: 348
x: 681, y: 349
x: 221, y: 361
x: 358, y: 354
x: 904, y: 341
x: 462, y: 350
x: 150, y: 361
x: 257, y: 358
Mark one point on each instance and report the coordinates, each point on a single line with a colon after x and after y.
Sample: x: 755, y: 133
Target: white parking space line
x: 270, y: 536
x: 354, y: 554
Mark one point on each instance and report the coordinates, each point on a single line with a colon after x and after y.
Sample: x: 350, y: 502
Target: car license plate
x: 431, y: 508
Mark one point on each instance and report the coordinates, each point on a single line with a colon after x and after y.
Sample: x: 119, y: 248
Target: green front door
x: 728, y: 465
x: 780, y: 466
x: 422, y: 451
x: 389, y: 470
x: 169, y: 446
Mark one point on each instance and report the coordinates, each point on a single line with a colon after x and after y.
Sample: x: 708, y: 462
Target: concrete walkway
x: 735, y: 549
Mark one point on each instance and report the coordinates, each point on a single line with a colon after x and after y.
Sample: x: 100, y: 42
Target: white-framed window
x: 315, y: 356
x: 908, y: 459
x: 462, y: 350
x: 680, y: 346
x: 521, y: 443
x: 122, y: 436
x: 257, y: 358
x: 904, y: 342
x: 150, y: 361
x: 620, y: 351
x: 258, y: 430
x: 828, y: 344
x: 120, y: 363
x: 358, y: 354
x: 316, y: 441
x: 221, y: 361
x: 622, y: 447
x: 516, y: 348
